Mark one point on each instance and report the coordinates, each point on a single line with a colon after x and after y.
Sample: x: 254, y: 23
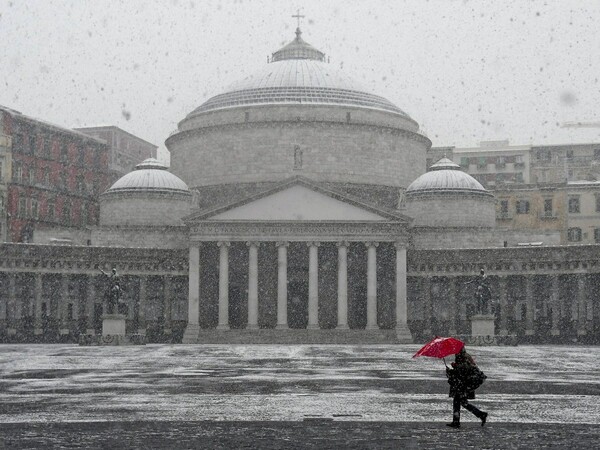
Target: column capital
x: 400, y: 245
x: 342, y: 244
x: 223, y: 244
x: 253, y: 244
x: 313, y: 244
x: 282, y: 244
x: 371, y: 244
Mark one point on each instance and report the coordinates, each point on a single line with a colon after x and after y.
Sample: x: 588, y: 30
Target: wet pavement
x: 265, y: 396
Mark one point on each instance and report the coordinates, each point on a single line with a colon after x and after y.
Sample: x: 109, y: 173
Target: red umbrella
x: 440, y: 347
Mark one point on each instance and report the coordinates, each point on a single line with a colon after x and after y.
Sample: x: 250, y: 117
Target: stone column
x: 581, y: 305
x: 11, y: 304
x: 342, y: 309
x: 37, y: 312
x: 555, y: 299
x: 142, y: 305
x: 453, y: 305
x: 223, y: 285
x: 3, y: 313
x: 282, y: 320
x: 313, y: 285
x: 252, y: 285
x: 168, y: 303
x: 402, y: 331
x: 372, y: 285
x: 427, y: 309
x: 192, y: 329
x: 89, y: 304
x: 530, y: 307
x: 63, y: 306
x: 503, y: 298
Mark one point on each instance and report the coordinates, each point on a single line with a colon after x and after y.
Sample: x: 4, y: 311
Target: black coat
x: 457, y: 377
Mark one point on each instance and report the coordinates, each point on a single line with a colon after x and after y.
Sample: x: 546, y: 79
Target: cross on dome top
x: 298, y: 48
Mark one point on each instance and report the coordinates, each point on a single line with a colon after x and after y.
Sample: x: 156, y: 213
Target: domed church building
x: 307, y: 190
x: 298, y: 208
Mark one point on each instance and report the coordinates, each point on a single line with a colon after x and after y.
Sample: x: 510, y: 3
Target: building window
x: 519, y: 177
x: 63, y: 180
x: 18, y: 172
x: 34, y: 208
x: 597, y: 235
x: 66, y: 212
x: 70, y: 311
x: 246, y: 116
x: 464, y: 161
x: 597, y: 154
x: 18, y: 143
x: 1, y: 204
x: 32, y: 144
x: 31, y: 175
x: 297, y: 157
x: 574, y: 204
x: 500, y: 161
x: 80, y: 183
x: 548, y: 207
x: 81, y: 156
x: 574, y: 234
x: 597, y: 203
x: 482, y: 162
x: 22, y: 207
x: 47, y: 147
x: 522, y: 206
x: 348, y: 117
x: 83, y: 214
x: 64, y: 152
x: 51, y: 210
x: 569, y: 155
x: 544, y: 155
x: 46, y: 176
x: 0, y: 170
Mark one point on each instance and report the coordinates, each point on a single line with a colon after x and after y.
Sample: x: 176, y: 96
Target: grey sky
x: 465, y: 70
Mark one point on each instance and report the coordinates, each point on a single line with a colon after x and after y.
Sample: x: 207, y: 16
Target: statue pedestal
x: 483, y: 325
x: 113, y: 325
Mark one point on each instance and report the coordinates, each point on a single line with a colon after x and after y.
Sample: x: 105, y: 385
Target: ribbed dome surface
x: 151, y: 176
x: 297, y: 75
x: 445, y: 176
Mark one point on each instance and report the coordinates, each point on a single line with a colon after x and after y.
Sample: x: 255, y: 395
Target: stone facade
x: 542, y: 295
x: 451, y: 210
x: 325, y: 150
x: 143, y: 209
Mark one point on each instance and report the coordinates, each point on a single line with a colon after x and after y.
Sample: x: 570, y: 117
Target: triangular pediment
x: 298, y: 200
x: 298, y: 203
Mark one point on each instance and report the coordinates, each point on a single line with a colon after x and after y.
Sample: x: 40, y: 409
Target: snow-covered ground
x: 59, y: 383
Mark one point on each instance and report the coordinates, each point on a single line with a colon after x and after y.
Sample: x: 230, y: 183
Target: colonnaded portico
x: 320, y: 227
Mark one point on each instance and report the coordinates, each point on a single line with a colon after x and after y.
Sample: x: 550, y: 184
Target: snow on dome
x: 297, y: 74
x: 150, y: 175
x: 445, y: 176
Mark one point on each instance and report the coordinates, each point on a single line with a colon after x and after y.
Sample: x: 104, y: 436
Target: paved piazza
x: 157, y: 392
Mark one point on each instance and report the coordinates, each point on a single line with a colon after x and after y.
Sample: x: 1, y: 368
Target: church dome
x: 297, y: 74
x: 149, y: 176
x: 447, y: 197
x: 445, y: 176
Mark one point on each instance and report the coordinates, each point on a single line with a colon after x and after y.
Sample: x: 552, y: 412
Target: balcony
x: 504, y: 216
x: 548, y: 215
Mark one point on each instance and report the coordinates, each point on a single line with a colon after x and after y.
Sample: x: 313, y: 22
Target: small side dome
x: 149, y: 175
x: 149, y: 195
x: 447, y: 197
x: 445, y: 176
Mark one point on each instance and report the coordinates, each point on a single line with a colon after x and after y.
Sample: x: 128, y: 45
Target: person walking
x: 464, y: 377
